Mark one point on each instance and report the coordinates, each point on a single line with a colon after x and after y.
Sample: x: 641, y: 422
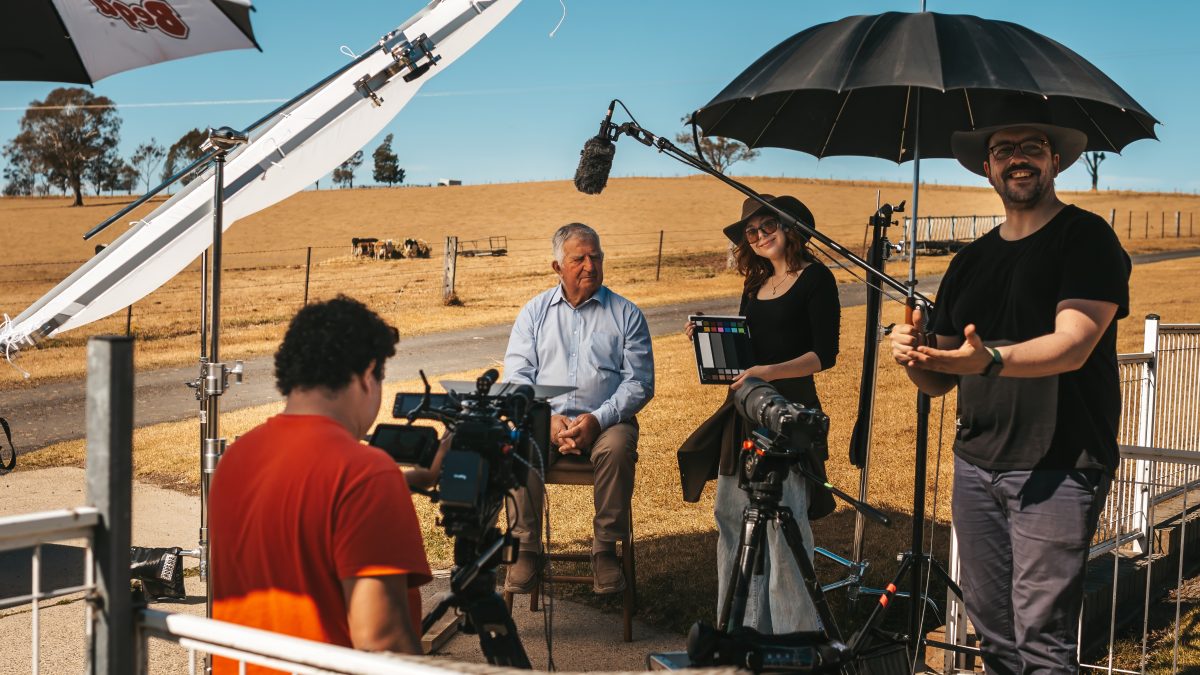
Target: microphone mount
x: 649, y: 139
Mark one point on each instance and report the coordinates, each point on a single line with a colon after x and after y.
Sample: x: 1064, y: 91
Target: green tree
x: 127, y: 177
x: 182, y: 152
x: 146, y: 158
x: 102, y: 172
x: 62, y: 134
x: 20, y: 175
x: 344, y: 174
x: 387, y: 164
x: 720, y: 152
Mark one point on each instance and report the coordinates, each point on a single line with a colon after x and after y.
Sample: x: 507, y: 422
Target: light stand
x: 214, y: 375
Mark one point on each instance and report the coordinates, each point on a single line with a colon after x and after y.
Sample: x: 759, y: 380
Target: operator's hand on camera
x: 906, y: 338
x: 580, y: 435
x: 970, y: 358
x: 421, y: 478
x: 761, y: 372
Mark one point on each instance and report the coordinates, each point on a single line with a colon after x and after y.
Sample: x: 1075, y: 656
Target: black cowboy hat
x: 970, y: 147
x: 752, y: 207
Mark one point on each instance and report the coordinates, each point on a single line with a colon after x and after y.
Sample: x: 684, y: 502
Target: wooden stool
x: 576, y: 470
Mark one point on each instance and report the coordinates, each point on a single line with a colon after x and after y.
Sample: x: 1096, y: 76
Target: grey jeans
x: 778, y: 601
x: 1023, y: 538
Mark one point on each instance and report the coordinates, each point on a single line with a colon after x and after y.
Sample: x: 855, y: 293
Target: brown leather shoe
x: 606, y: 573
x: 522, y: 576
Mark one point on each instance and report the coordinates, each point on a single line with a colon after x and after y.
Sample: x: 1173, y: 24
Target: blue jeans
x: 1023, y: 538
x: 778, y: 601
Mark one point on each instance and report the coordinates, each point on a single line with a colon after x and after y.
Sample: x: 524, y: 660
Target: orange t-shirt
x: 297, y: 505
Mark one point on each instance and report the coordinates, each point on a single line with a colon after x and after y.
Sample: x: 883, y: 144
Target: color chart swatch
x: 722, y: 347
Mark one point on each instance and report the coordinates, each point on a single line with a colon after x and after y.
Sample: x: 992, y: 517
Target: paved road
x: 54, y: 412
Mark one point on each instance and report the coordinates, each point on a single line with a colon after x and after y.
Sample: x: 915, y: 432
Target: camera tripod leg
x: 488, y: 615
x: 908, y: 562
x: 733, y: 606
x: 795, y: 542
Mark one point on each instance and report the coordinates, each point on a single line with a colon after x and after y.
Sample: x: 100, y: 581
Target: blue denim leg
x: 787, y: 607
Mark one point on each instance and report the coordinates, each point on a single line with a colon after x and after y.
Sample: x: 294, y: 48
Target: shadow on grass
x: 677, y: 575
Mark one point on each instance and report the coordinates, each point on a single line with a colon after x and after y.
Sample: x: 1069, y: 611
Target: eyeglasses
x: 1030, y: 147
x: 765, y: 228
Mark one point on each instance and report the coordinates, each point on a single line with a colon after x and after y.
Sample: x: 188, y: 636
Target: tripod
x: 473, y: 591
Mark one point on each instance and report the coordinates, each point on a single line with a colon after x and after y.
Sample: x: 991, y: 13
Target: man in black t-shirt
x: 1025, y: 326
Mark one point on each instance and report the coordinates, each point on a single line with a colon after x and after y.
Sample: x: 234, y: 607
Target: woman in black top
x: 790, y: 302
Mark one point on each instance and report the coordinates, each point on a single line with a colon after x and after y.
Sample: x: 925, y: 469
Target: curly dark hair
x: 329, y: 342
x: 758, y: 269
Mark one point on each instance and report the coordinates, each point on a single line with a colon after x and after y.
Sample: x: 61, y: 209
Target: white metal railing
x: 32, y: 530
x: 265, y: 648
x: 944, y: 229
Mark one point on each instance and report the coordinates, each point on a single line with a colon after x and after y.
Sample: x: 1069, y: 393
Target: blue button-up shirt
x: 602, y: 348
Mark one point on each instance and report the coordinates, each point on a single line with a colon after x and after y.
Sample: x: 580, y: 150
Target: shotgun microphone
x: 596, y: 158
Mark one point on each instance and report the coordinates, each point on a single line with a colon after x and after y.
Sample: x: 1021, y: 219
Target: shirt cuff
x: 606, y: 415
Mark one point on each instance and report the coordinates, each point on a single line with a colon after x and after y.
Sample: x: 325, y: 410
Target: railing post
x: 109, y: 489
x: 956, y: 615
x: 1144, y: 469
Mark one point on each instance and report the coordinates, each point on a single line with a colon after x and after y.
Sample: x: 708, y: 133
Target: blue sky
x: 520, y: 105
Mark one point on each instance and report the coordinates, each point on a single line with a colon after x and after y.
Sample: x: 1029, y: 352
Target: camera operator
x: 313, y: 533
x: 581, y: 334
x: 790, y: 302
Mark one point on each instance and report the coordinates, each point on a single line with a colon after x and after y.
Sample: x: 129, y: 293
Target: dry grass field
x: 266, y: 253
x: 676, y: 563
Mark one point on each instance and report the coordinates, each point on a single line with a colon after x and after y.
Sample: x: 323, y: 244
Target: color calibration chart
x: 722, y: 347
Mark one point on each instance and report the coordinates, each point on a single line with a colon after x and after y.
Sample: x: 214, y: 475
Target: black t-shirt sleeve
x: 942, y: 323
x: 824, y: 315
x: 1097, y: 267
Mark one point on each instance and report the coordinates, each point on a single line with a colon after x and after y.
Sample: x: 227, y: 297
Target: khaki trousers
x: 613, y: 457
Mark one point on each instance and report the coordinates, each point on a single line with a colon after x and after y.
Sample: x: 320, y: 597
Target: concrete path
x: 584, y: 638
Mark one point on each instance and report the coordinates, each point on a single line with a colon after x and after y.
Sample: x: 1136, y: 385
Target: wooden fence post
x: 1130, y: 225
x: 307, y: 274
x: 1146, y: 234
x: 1162, y: 224
x: 449, y: 263
x: 658, y: 268
x: 1177, y: 222
x: 1112, y: 219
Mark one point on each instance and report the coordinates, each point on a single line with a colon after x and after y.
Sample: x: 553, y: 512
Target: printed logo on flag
x: 148, y: 14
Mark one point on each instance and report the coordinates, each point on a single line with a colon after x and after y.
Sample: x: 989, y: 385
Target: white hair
x: 570, y: 231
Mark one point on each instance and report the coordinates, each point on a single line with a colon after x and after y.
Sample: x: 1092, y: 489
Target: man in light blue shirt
x: 581, y: 334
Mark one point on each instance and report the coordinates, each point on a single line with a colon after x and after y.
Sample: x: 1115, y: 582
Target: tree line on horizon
x: 68, y: 142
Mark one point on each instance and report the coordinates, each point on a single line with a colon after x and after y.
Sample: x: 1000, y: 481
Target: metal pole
x: 449, y: 267
x: 213, y: 377
x: 307, y: 274
x: 658, y: 269
x: 109, y: 489
x: 129, y: 320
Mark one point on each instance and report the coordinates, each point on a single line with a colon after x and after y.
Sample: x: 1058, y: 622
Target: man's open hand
x: 971, y: 357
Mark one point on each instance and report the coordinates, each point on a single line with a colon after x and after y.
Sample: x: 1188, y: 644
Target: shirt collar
x: 600, y: 296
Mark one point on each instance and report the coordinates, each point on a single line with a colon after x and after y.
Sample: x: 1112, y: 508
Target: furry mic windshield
x: 595, y: 161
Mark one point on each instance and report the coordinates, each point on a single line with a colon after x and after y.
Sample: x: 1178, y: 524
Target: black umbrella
x: 852, y: 87
x: 84, y: 41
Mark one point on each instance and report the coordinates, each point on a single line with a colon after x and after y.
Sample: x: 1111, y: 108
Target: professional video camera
x: 498, y: 438
x: 501, y: 435
x: 791, y: 431
x: 785, y: 436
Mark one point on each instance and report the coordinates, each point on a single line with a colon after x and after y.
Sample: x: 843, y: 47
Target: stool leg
x: 534, y: 597
x: 508, y: 601
x: 630, y: 593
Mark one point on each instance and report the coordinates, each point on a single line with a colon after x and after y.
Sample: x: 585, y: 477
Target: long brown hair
x: 758, y: 269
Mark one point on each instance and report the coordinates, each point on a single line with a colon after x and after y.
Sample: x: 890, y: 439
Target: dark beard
x: 1021, y: 197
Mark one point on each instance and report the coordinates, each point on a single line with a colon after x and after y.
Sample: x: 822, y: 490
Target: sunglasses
x: 766, y: 228
x: 1032, y: 147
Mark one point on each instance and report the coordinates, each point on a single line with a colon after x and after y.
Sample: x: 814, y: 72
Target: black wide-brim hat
x: 752, y: 207
x: 970, y: 147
